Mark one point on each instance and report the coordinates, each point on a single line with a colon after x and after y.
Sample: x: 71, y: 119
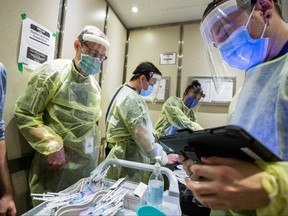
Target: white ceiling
x: 157, y: 12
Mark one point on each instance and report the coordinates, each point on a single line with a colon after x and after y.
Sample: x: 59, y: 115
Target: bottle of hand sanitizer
x: 156, y: 185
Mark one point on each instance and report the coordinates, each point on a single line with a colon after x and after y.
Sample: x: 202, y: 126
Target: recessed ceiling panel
x: 157, y: 12
x: 166, y: 5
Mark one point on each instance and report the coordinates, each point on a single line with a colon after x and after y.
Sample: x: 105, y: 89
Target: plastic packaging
x: 156, y: 185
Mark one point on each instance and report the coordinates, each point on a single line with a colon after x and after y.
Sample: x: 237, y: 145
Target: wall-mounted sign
x: 168, y: 58
x: 37, y: 44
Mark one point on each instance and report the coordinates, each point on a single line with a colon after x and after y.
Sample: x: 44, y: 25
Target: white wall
x: 10, y: 38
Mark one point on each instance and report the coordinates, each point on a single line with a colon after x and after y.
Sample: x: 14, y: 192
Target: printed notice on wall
x: 37, y: 44
x: 168, y: 58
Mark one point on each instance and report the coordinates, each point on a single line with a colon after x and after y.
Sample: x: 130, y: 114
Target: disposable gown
x: 175, y: 114
x: 129, y: 133
x: 262, y: 109
x: 60, y: 108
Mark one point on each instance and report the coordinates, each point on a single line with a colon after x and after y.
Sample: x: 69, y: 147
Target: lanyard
x: 111, y: 102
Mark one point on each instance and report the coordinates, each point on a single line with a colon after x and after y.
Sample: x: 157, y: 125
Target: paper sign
x: 37, y: 44
x: 168, y: 58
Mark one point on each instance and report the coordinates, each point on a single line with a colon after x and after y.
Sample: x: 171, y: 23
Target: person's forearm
x: 29, y: 117
x: 6, y: 188
x: 42, y: 138
x: 145, y: 140
x: 195, y: 126
x: 275, y: 181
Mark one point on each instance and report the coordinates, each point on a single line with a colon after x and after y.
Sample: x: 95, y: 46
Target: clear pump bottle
x: 156, y: 185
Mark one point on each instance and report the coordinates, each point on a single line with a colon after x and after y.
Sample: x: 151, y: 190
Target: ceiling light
x: 134, y: 9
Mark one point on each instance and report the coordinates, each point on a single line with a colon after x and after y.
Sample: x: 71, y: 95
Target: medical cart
x: 171, y: 201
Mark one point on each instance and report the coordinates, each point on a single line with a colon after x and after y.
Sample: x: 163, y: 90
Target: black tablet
x: 226, y: 141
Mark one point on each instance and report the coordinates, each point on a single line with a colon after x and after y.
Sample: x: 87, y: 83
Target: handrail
x: 173, y: 183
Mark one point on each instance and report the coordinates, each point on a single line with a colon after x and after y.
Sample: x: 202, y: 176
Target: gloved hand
x: 56, y: 160
x: 172, y: 158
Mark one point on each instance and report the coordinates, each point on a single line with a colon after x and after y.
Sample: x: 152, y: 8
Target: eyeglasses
x: 95, y: 53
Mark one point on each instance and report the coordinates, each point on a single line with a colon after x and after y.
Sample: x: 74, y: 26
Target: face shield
x: 227, y: 40
x: 194, y: 98
x: 96, y: 39
x: 155, y: 83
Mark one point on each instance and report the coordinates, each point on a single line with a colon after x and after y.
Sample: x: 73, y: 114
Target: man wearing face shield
x: 178, y: 113
x: 58, y: 113
x: 129, y: 127
x: 251, y: 36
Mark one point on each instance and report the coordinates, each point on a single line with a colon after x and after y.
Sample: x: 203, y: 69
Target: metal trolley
x: 171, y: 200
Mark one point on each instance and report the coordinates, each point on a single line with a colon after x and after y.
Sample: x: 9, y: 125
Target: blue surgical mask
x: 241, y: 51
x: 89, y: 65
x: 146, y: 92
x: 191, y: 102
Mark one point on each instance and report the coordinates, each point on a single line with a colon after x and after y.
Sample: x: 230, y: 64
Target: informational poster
x: 168, y: 58
x: 37, y: 44
x: 222, y: 96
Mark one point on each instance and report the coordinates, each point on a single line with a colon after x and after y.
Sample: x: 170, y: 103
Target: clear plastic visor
x: 215, y: 28
x: 223, y: 20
